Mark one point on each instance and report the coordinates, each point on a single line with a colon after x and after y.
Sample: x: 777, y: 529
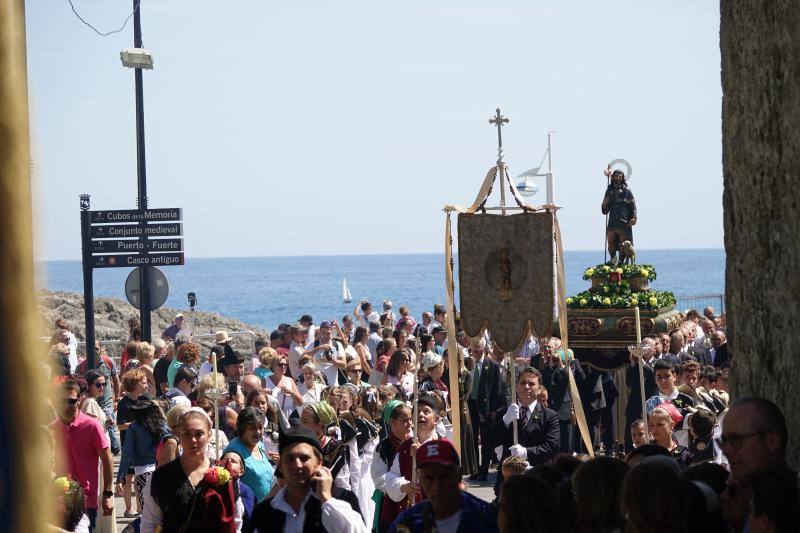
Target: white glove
x: 518, y: 450
x: 511, y: 414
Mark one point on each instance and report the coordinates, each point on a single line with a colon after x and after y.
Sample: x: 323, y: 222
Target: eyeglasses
x: 71, y: 401
x: 282, y: 364
x: 737, y: 441
x: 354, y: 371
x: 99, y: 384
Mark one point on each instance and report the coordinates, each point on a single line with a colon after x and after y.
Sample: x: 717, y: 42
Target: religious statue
x: 620, y: 206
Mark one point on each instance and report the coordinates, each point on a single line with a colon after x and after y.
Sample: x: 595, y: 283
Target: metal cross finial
x: 498, y: 120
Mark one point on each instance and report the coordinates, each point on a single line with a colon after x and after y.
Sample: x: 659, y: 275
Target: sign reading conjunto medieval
x: 506, y: 275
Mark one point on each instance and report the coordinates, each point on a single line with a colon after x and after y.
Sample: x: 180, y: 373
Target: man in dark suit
x: 633, y: 410
x: 483, y: 401
x: 556, y: 380
x: 538, y: 437
x: 719, y: 349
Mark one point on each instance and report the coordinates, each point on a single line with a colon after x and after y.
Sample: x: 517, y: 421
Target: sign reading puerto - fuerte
x: 121, y: 231
x: 136, y: 245
x: 136, y: 215
x: 135, y: 260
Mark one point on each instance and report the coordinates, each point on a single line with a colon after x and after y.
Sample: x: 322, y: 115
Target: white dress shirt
x: 337, y: 515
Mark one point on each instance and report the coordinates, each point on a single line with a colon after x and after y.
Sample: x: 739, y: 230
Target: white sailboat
x: 346, y: 296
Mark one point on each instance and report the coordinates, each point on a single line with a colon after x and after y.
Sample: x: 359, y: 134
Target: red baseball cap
x: 439, y: 451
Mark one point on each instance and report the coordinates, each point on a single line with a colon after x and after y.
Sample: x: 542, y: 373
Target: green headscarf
x: 324, y: 412
x: 389, y: 407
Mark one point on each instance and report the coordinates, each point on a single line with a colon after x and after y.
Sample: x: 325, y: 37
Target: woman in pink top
x: 281, y: 386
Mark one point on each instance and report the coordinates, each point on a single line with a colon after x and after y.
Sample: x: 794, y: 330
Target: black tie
x: 523, y: 416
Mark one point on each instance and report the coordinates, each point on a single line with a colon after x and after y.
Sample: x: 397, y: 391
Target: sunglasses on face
x: 282, y: 364
x: 354, y: 371
x: 70, y: 401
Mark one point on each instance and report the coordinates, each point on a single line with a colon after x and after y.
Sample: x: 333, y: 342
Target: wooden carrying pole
x: 641, y: 374
x: 512, y: 382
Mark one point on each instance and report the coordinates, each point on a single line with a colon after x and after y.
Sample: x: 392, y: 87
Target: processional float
x: 511, y: 277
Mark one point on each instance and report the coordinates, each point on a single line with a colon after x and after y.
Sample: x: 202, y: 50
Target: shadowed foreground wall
x: 760, y: 52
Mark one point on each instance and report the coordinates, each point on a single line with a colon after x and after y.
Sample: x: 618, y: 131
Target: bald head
x: 250, y: 382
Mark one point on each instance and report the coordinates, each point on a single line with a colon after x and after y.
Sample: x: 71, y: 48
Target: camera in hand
x: 328, y: 354
x: 233, y: 388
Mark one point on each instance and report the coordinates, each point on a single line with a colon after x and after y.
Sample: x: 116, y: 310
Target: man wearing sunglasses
x: 83, y: 442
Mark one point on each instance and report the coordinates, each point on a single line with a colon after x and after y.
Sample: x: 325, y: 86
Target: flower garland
x: 602, y: 271
x: 620, y: 296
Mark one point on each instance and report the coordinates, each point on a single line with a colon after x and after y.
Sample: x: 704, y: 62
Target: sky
x: 311, y: 127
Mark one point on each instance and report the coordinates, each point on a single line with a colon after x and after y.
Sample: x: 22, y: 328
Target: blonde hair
x: 265, y: 355
x: 145, y: 352
x: 196, y: 412
x: 209, y: 382
x: 174, y: 417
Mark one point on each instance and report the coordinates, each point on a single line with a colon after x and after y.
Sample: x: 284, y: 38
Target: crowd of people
x: 348, y: 427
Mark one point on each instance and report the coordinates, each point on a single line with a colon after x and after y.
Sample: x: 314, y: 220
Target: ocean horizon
x: 266, y: 291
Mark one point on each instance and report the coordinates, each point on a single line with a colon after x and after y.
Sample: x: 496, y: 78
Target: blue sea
x: 266, y: 291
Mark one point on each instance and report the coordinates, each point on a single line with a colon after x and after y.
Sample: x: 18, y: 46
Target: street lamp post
x: 141, y: 174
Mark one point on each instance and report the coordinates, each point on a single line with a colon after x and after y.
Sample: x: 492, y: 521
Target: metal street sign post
x: 138, y: 238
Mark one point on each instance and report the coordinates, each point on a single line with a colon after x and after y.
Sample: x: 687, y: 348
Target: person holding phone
x: 308, y: 501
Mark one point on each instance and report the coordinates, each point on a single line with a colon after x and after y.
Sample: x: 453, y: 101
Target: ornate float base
x: 600, y: 337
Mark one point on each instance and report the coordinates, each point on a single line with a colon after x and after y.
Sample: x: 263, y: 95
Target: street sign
x: 121, y: 231
x: 136, y: 215
x: 158, y: 287
x: 133, y: 260
x: 136, y: 245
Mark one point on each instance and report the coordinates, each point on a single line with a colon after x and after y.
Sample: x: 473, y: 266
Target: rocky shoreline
x: 112, y: 314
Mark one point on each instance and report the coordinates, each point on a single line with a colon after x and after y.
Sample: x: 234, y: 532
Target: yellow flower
x: 62, y: 484
x: 606, y: 301
x: 582, y: 301
x: 589, y: 272
x: 569, y: 301
x: 223, y: 476
x: 634, y: 302
x: 653, y: 301
x: 605, y: 288
x: 644, y: 272
x: 618, y: 271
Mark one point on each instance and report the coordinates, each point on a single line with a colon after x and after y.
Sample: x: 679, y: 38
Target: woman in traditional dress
x: 662, y: 421
x: 339, y: 452
x: 397, y: 417
x: 188, y: 494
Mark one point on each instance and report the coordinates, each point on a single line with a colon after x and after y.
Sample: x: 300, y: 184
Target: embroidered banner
x: 506, y: 275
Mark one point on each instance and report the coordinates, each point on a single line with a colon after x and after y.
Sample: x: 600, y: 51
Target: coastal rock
x: 111, y: 321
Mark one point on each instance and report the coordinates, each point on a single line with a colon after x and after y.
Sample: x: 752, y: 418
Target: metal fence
x: 244, y: 341
x: 717, y: 301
